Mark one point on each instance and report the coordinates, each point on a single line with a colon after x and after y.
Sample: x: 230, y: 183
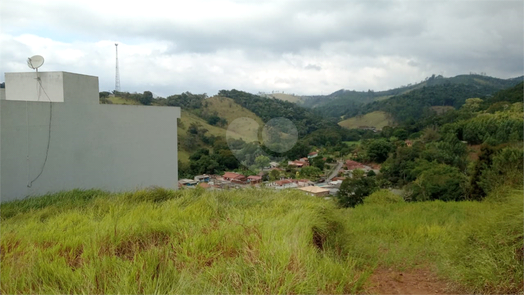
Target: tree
x: 472, y: 104
x: 318, y: 162
x: 449, y: 151
x: 505, y: 169
x: 226, y: 159
x: 300, y: 149
x: 104, y: 94
x: 203, y: 165
x: 193, y: 128
x: 274, y: 175
x: 310, y: 172
x: 430, y: 134
x: 397, y: 169
x: 146, y: 98
x: 378, y: 150
x: 357, y: 173
x: 262, y: 161
x: 198, y: 154
x: 213, y: 120
x: 353, y: 190
x: 400, y: 133
x: 439, y: 182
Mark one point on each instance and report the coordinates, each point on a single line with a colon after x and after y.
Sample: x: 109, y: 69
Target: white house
x: 54, y: 135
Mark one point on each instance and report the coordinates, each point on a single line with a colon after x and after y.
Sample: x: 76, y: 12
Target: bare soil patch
x: 416, y: 281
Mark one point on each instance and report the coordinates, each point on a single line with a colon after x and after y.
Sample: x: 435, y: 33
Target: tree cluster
x: 440, y: 164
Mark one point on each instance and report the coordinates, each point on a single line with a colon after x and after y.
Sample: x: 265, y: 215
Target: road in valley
x: 335, y: 171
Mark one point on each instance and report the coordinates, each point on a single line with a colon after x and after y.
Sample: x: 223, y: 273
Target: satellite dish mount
x: 35, y: 62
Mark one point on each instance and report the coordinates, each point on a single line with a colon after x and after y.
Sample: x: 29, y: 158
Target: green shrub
x: 383, y: 196
x: 439, y: 182
x: 353, y: 190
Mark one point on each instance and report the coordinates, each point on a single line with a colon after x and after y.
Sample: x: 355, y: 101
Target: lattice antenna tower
x: 117, y: 72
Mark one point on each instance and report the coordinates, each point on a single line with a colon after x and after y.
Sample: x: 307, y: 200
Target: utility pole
x: 117, y: 73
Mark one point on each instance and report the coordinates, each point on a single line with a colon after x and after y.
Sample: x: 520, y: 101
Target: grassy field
x: 477, y: 246
x: 377, y: 119
x: 246, y: 129
x: 189, y: 242
x: 252, y: 241
x: 229, y: 109
x: 121, y: 100
x: 285, y: 97
x: 242, y: 123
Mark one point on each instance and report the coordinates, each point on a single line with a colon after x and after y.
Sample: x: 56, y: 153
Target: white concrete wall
x: 26, y: 86
x: 110, y: 147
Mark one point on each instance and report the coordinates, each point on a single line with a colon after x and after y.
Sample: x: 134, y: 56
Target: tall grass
x: 476, y: 245
x: 158, y: 241
x: 253, y: 241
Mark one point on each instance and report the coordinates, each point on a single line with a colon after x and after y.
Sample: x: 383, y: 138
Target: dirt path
x: 417, y: 281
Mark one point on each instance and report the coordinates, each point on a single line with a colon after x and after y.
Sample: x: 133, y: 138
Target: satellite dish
x: 35, y: 62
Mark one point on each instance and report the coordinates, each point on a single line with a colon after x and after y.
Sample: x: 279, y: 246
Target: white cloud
x: 303, y: 47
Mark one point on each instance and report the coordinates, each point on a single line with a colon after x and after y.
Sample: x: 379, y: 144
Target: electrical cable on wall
x: 30, y: 183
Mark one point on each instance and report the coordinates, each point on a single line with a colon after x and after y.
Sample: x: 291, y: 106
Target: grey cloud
x: 313, y: 67
x: 451, y: 36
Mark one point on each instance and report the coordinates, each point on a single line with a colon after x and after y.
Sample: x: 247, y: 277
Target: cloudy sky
x: 301, y: 47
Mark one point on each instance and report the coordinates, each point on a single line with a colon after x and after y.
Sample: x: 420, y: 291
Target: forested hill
x: 417, y: 103
x: 305, y: 120
x: 348, y: 103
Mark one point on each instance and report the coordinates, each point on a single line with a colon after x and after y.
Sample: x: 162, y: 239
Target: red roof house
x: 253, y: 179
x: 232, y: 176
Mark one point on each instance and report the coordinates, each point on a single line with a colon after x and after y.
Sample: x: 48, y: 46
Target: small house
x: 315, y: 191
x: 304, y: 182
x: 202, y: 178
x: 234, y: 177
x: 297, y: 164
x: 312, y: 155
x: 254, y: 179
x: 284, y: 183
x: 187, y: 182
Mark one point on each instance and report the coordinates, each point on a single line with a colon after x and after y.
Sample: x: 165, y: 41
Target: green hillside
x: 227, y: 108
x: 375, y: 119
x: 198, y: 111
x: 224, y: 108
x: 255, y: 241
x: 186, y: 120
x: 286, y: 97
x: 122, y: 100
x: 305, y: 120
x: 348, y: 102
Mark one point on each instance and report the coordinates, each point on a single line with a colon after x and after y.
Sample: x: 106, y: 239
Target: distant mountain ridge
x: 339, y: 103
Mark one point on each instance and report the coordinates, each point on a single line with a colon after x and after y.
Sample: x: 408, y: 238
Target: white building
x: 75, y: 142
